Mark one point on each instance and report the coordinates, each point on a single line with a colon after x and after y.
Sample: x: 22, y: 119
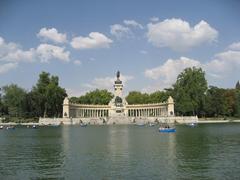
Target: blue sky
x: 150, y: 42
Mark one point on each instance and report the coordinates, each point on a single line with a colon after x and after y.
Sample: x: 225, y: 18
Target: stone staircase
x: 119, y: 120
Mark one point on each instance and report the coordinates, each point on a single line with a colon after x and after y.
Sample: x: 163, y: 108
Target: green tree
x: 47, y: 96
x: 230, y: 98
x: 237, y: 100
x: 95, y: 97
x: 1, y: 104
x: 74, y: 100
x: 158, y: 97
x: 237, y: 85
x: 14, y: 98
x: 216, y: 103
x: 135, y: 97
x: 189, y: 91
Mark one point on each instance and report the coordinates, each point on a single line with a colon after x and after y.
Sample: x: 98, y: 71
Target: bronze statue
x: 118, y: 74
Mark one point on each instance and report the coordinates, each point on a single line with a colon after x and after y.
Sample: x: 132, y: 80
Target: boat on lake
x: 192, y: 124
x: 1, y: 127
x: 167, y: 129
x: 140, y: 124
x: 152, y: 124
x: 10, y: 127
x: 83, y: 124
x: 34, y: 127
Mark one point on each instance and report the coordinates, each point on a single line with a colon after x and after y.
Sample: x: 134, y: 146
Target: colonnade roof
x: 90, y: 105
x: 153, y: 105
x: 145, y: 105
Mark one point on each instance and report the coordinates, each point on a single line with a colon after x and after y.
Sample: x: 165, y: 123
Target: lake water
x: 209, y: 151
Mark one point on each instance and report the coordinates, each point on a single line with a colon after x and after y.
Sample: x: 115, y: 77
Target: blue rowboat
x: 167, y: 130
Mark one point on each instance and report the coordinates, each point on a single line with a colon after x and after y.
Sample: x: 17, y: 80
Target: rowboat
x: 83, y: 124
x: 167, y: 130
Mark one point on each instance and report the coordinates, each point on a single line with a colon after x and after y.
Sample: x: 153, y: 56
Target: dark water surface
x: 209, y: 151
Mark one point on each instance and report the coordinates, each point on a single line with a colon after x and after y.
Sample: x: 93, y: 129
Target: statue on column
x: 118, y: 74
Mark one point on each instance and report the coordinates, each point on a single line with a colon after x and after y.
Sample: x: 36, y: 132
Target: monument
x: 118, y: 107
x: 118, y: 111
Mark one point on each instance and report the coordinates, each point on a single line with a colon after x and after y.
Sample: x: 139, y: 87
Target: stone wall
x: 118, y: 120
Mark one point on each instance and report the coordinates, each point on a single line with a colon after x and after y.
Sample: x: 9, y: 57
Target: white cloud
x: 153, y: 87
x: 125, y: 30
x: 178, y: 35
x: 75, y: 92
x: 77, y: 62
x: 93, y: 41
x: 12, y: 52
x: 46, y: 52
x: 119, y: 30
x: 5, y: 47
x: 171, y: 68
x: 7, y: 67
x: 234, y: 46
x: 154, y: 19
x: 107, y: 82
x: 20, y: 55
x: 224, y: 63
x: 52, y: 34
x: 169, y: 71
x: 223, y: 66
x: 133, y: 23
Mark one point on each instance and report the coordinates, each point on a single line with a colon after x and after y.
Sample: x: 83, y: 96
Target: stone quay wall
x: 118, y: 120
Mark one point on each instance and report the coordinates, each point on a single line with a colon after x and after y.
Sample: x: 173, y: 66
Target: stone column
x: 66, y: 108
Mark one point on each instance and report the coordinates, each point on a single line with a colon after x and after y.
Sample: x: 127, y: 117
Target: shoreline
x: 200, y: 121
x: 205, y: 121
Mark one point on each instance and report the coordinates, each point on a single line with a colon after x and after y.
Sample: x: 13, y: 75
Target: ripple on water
x: 121, y: 152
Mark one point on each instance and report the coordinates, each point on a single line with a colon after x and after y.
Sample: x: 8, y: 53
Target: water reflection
x: 120, y: 152
x: 192, y: 151
x: 172, y: 152
x: 29, y: 153
x: 118, y: 141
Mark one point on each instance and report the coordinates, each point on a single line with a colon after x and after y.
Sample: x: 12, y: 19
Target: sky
x: 150, y: 42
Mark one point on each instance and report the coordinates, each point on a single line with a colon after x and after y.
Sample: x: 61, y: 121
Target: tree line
x: 44, y: 100
x: 191, y: 94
